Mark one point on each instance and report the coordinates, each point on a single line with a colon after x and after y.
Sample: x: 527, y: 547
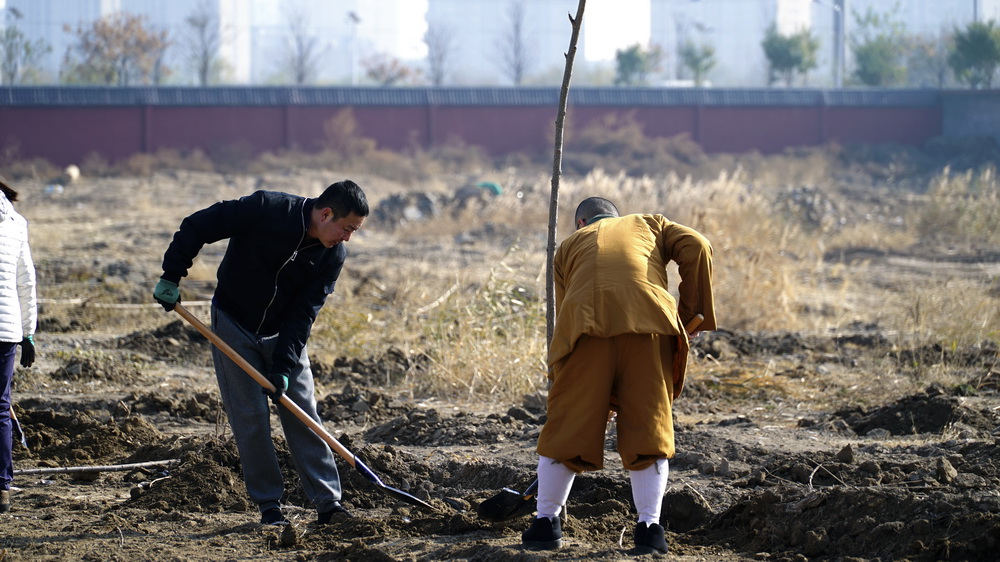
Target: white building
x: 734, y: 28
x: 480, y: 33
x: 346, y: 33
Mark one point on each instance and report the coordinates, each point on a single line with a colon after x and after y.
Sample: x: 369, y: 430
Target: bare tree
x: 386, y: 70
x: 17, y: 53
x: 440, y: 43
x: 117, y: 49
x: 515, y: 58
x: 202, y: 39
x: 927, y: 61
x: 158, y: 53
x: 557, y: 157
x: 302, y: 50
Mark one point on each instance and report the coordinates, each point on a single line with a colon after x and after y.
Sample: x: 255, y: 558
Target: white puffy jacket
x: 18, y: 307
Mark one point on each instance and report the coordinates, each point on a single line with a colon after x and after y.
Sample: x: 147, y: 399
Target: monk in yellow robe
x: 619, y: 344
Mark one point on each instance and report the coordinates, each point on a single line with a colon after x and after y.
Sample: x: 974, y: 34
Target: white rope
x: 86, y: 303
x: 104, y: 468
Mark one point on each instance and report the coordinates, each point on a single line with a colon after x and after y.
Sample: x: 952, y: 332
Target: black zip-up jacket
x: 273, y: 279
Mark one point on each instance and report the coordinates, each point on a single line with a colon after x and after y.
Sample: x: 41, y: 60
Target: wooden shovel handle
x: 694, y: 323
x: 262, y: 380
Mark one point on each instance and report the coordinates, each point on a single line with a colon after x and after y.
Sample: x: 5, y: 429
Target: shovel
x: 300, y: 413
x: 18, y: 430
x: 508, y: 503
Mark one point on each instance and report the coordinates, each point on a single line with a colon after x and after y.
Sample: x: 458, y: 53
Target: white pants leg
x: 554, y: 483
x: 648, y: 487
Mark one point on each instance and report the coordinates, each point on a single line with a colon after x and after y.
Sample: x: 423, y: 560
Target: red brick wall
x: 66, y: 135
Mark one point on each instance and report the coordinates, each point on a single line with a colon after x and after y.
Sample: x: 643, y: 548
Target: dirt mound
x: 360, y: 405
x: 60, y: 439
x: 985, y: 354
x: 197, y: 484
x: 728, y: 344
x: 219, y: 450
x: 100, y: 367
x: 430, y: 428
x: 932, y: 411
x: 55, y: 324
x: 869, y: 522
x: 389, y: 368
x: 203, y: 406
x: 176, y: 341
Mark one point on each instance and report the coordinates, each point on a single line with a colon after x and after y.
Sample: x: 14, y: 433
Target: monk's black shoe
x: 649, y: 539
x: 543, y: 534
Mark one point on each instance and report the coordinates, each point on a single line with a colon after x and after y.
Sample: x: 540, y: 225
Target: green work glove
x: 280, y: 383
x: 167, y: 293
x: 27, y: 351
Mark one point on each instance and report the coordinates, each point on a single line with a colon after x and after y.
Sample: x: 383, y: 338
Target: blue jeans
x: 8, y: 352
x: 249, y: 413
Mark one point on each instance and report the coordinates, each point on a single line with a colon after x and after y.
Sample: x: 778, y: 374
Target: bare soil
x: 792, y: 446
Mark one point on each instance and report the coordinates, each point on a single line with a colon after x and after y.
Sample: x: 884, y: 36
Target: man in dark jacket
x: 284, y: 256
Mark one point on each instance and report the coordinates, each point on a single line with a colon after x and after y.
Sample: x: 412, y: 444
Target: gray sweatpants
x: 249, y: 415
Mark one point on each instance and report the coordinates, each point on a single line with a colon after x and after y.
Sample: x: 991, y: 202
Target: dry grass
x: 771, y: 275
x: 481, y: 324
x: 467, y: 290
x: 964, y: 208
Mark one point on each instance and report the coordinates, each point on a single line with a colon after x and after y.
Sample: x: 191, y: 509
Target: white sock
x: 648, y: 487
x: 554, y: 483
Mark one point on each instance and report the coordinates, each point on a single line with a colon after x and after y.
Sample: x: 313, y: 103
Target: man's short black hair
x: 343, y: 198
x: 593, y: 206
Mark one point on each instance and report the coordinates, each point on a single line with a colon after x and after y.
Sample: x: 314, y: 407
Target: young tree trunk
x: 550, y: 310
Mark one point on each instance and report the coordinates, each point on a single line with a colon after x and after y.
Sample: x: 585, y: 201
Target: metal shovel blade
x: 394, y: 492
x: 508, y: 504
x: 18, y: 431
x: 408, y: 498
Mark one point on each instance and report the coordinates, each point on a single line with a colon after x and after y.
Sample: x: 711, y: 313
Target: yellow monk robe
x: 611, y: 284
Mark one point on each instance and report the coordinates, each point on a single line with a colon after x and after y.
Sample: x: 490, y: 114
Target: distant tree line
x: 123, y: 49
x: 885, y: 55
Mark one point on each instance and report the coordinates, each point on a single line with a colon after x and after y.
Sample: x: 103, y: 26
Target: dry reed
x: 467, y: 291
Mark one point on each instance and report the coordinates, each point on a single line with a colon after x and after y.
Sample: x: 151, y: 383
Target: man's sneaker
x: 4, y: 501
x: 336, y: 511
x: 649, y: 539
x: 544, y: 534
x: 272, y: 516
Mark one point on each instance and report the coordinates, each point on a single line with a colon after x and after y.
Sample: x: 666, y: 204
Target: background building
x: 734, y: 28
x: 346, y: 35
x: 483, y: 34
